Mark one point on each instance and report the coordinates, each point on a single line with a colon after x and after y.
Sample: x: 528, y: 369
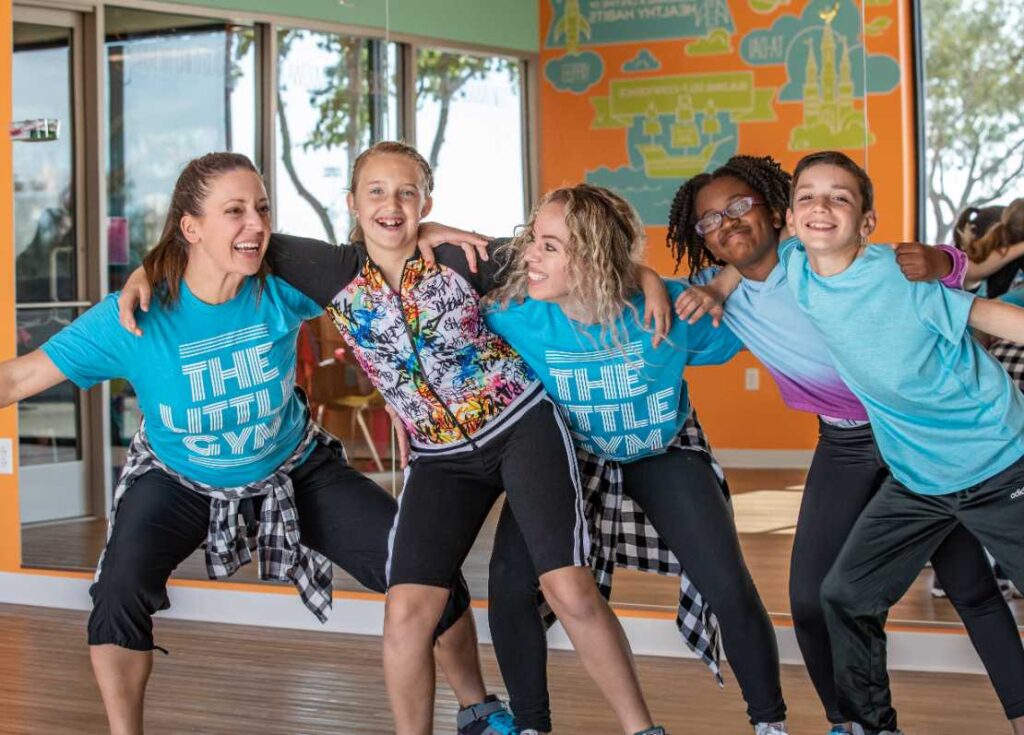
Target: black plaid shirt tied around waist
x: 230, y: 541
x: 621, y: 535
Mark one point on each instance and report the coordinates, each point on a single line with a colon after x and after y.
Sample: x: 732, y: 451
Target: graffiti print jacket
x: 454, y: 383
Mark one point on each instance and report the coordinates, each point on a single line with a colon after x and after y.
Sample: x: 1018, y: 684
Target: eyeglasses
x: 713, y: 220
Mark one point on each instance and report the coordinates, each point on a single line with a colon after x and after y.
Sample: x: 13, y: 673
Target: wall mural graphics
x: 685, y: 84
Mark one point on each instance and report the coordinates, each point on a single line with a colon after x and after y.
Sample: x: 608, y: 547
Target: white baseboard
x: 912, y: 650
x: 772, y: 459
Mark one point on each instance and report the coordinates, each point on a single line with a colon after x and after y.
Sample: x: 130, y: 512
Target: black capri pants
x: 342, y: 514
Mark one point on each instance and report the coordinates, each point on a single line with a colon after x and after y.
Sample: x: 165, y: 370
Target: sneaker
x: 839, y: 730
x: 489, y: 717
x: 656, y: 730
x: 937, y: 591
x: 770, y: 728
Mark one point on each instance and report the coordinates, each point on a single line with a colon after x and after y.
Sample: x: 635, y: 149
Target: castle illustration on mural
x: 830, y: 120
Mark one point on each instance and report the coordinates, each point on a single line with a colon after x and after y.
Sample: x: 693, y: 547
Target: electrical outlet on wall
x: 752, y: 379
x: 6, y: 457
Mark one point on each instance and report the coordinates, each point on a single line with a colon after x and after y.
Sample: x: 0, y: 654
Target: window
x: 177, y: 87
x: 973, y: 68
x: 469, y: 127
x: 335, y: 96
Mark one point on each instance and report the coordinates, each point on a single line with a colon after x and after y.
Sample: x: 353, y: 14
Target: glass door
x: 49, y: 254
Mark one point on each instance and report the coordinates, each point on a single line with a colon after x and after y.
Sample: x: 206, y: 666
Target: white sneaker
x: 770, y: 728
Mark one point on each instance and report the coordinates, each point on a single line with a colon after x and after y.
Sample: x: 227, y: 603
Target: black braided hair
x: 763, y: 174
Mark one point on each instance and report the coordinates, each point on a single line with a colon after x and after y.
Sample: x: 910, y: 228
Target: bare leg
x: 459, y: 657
x: 122, y: 675
x: 599, y: 640
x: 1017, y: 723
x: 411, y: 613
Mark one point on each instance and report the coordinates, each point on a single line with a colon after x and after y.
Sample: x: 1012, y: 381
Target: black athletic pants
x: 342, y: 513
x: 886, y: 534
x: 683, y: 500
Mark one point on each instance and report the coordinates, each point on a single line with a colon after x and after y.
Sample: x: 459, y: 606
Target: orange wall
x: 10, y: 528
x: 582, y: 132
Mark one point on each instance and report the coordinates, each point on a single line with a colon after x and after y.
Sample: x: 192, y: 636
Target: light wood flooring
x: 238, y: 680
x: 765, y: 500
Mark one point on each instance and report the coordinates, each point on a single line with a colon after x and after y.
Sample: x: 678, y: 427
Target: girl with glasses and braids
x: 735, y: 216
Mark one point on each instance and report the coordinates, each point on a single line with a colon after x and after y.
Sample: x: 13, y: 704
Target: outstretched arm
x: 696, y: 301
x: 998, y: 318
x: 26, y: 376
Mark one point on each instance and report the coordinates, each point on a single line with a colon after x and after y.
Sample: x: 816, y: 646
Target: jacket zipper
x: 419, y: 363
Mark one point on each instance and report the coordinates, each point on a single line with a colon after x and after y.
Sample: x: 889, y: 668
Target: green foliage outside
x: 974, y: 100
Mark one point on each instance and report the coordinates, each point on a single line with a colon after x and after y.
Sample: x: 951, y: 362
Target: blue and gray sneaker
x: 839, y: 730
x: 489, y: 717
x: 656, y: 730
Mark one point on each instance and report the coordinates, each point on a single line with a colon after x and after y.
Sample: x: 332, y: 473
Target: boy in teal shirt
x: 947, y: 418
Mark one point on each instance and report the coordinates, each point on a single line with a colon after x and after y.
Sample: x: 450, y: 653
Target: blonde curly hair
x: 605, y: 247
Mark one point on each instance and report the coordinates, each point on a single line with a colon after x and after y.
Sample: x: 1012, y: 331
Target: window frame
x: 93, y: 137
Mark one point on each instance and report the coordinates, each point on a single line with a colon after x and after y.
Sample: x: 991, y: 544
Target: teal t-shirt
x: 944, y: 412
x: 624, y: 401
x: 1015, y: 297
x: 215, y: 383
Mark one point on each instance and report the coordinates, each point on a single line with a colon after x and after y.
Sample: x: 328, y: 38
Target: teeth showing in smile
x: 247, y: 247
x: 820, y: 226
x: 390, y: 221
x: 536, y: 277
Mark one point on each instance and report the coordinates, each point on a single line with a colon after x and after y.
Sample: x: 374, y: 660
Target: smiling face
x: 747, y: 240
x: 232, y: 233
x: 547, y: 257
x: 827, y: 211
x: 389, y: 201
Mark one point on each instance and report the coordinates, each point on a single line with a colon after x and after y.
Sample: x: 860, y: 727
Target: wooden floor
x: 77, y: 545
x: 237, y: 680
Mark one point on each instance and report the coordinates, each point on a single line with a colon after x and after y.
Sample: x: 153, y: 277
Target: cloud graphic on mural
x: 643, y: 61
x: 789, y: 40
x: 716, y: 42
x: 575, y: 72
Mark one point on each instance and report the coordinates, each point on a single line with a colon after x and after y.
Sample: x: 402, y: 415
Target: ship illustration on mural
x: 830, y: 119
x: 661, y: 163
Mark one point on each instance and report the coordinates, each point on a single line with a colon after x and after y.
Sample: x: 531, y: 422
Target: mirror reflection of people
x: 224, y: 431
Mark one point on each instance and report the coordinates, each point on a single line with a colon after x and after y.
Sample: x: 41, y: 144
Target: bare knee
x: 412, y: 612
x: 572, y: 593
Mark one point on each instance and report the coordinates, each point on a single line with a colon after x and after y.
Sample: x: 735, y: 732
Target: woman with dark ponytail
x: 225, y: 434
x: 735, y: 216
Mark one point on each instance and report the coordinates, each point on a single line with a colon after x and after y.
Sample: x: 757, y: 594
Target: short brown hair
x: 165, y: 264
x: 843, y: 161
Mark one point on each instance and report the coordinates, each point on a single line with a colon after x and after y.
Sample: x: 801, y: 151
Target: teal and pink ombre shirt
x: 766, y: 317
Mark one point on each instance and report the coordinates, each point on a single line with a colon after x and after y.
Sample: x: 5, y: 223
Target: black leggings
x: 845, y: 474
x: 342, y: 514
x: 683, y: 500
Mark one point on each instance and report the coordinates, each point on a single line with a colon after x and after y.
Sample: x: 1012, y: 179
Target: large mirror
x: 185, y: 85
